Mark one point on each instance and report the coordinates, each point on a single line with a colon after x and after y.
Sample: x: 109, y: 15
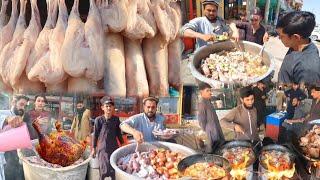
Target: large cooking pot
x: 262, y: 167
x: 210, y: 158
x: 296, y: 140
x: 128, y: 149
x: 238, y: 143
x: 34, y: 171
x: 250, y: 47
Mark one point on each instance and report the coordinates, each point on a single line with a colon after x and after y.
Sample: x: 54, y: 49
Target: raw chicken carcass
x: 137, y: 86
x: 175, y: 51
x: 174, y: 61
x: 3, y: 15
x: 49, y: 68
x: 10, y: 50
x: 155, y: 55
x: 16, y: 70
x: 175, y: 12
x: 58, y: 147
x: 41, y: 51
x: 166, y: 18
x: 114, y: 15
x: 115, y: 68
x: 82, y: 50
x: 6, y: 33
x: 141, y: 23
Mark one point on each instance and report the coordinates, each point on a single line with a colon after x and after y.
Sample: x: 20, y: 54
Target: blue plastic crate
x: 276, y: 119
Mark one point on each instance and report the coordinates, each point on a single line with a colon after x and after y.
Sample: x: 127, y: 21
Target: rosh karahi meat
x: 58, y: 147
x: 311, y: 142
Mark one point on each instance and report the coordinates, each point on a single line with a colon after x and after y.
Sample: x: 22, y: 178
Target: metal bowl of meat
x: 229, y: 62
x: 308, y: 145
x: 204, y: 166
x: 241, y: 157
x: 276, y: 162
x: 154, y: 160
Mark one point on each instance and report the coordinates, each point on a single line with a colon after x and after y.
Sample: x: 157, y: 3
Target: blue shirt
x: 142, y: 123
x: 204, y: 26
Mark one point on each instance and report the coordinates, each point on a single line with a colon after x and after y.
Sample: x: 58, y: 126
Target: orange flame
x: 239, y: 171
x: 277, y: 172
x: 316, y: 164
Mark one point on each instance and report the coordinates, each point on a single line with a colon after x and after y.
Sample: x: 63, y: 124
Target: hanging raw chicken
x: 17, y: 75
x: 48, y: 68
x: 7, y: 31
x: 114, y: 15
x: 3, y: 16
x: 82, y: 50
x: 114, y: 56
x: 175, y: 51
x: 156, y: 61
x: 137, y: 86
x: 141, y: 23
x: 166, y: 19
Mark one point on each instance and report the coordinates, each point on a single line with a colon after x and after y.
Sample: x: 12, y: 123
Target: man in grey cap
x: 141, y: 125
x: 206, y: 28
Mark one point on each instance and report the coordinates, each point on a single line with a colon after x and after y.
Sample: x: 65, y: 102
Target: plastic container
x: 272, y: 131
x: 276, y: 119
x: 15, y: 138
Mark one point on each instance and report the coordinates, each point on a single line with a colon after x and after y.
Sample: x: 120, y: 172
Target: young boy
x: 106, y: 130
x: 301, y: 63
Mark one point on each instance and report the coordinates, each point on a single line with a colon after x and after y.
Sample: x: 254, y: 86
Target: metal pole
x: 266, y: 12
x: 277, y: 12
x: 251, y: 4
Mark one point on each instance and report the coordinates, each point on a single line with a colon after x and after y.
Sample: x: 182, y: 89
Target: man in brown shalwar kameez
x: 208, y: 119
x: 243, y: 118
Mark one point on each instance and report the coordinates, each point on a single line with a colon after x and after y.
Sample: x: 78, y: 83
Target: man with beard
x: 9, y: 161
x: 206, y: 28
x: 208, y: 119
x: 141, y: 125
x: 243, y: 118
x: 314, y: 112
x: 81, y: 127
x: 294, y: 92
x: 106, y: 133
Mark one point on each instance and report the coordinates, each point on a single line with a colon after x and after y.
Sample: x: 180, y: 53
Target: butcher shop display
x: 58, y: 147
x: 310, y: 142
x: 154, y: 164
x: 233, y: 65
x: 121, y: 47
